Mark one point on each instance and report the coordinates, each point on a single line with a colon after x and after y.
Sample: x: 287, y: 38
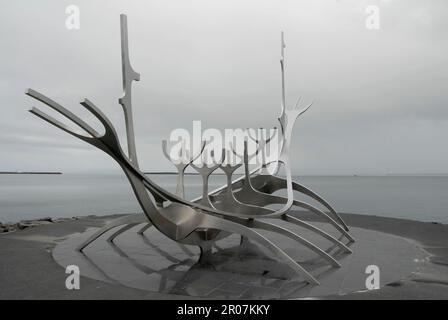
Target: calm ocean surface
x: 423, y: 198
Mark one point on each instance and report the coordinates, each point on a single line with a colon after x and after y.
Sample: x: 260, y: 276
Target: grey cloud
x: 380, y: 95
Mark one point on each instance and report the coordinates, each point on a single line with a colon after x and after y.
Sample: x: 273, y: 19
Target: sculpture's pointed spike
x: 63, y: 111
x: 306, y: 108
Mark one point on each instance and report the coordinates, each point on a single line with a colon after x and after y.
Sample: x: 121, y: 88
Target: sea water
x: 23, y: 196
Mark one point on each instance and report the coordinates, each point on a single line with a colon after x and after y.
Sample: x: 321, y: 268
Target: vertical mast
x: 129, y: 75
x: 282, y: 66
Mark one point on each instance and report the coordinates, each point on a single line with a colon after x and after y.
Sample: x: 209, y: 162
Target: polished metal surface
x: 248, y: 195
x: 181, y: 163
x: 205, y: 171
x: 255, y: 186
x: 128, y: 75
x: 214, y: 217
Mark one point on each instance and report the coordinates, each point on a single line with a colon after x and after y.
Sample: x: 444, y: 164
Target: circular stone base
x: 155, y: 263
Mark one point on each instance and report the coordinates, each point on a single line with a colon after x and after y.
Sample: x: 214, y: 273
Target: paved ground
x: 431, y: 282
x: 28, y: 270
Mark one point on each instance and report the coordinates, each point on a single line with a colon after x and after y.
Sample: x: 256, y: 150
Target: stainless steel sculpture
x: 234, y: 208
x: 269, y: 183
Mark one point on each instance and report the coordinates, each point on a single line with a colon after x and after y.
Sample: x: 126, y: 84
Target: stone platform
x: 154, y: 263
x: 412, y: 257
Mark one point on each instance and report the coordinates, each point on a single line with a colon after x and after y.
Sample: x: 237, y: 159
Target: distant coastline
x: 29, y: 172
x: 418, y: 174
x: 160, y: 172
x: 175, y: 173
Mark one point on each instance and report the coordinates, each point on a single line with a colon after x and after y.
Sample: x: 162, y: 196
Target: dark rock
x: 395, y: 284
x: 46, y: 219
x: 7, y: 228
x: 23, y: 225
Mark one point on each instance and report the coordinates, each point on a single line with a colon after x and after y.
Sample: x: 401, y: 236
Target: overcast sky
x: 380, y: 95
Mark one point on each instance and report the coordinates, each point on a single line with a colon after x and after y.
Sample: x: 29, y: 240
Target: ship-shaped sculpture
x: 240, y: 206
